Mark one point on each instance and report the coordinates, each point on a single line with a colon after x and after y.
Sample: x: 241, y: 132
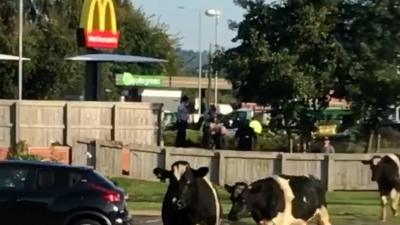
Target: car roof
x: 42, y: 164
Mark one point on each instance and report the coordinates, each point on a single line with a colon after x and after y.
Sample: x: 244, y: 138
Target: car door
x: 14, y: 180
x: 49, y: 184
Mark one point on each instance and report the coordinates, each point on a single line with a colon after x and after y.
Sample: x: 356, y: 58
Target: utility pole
x: 21, y: 28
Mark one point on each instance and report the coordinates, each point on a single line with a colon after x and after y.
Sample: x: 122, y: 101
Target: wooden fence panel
x: 7, y: 121
x: 41, y: 122
x: 79, y: 152
x: 136, y: 124
x: 196, y: 157
x: 143, y: 161
x: 109, y: 160
x: 247, y: 166
x: 350, y: 174
x: 90, y: 120
x: 336, y: 171
x: 306, y: 164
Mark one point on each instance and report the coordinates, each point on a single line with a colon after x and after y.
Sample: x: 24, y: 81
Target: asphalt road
x: 156, y: 220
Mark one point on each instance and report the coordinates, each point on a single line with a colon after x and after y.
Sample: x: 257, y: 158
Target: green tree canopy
x: 50, y: 36
x: 295, y: 54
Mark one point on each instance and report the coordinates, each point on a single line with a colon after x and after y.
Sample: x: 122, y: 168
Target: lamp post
x: 21, y: 16
x: 215, y: 13
x: 200, y: 70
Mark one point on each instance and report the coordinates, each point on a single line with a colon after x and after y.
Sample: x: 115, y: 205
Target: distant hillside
x: 190, y: 60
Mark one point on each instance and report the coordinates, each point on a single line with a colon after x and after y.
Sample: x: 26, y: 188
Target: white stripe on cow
x: 395, y: 159
x: 217, y: 206
x: 285, y: 217
x: 179, y: 170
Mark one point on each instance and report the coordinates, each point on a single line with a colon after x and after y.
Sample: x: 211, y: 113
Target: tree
x: 286, y: 58
x: 50, y: 36
x: 297, y: 54
x: 368, y: 34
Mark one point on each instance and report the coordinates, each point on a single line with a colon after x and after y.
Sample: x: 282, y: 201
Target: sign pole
x: 21, y: 28
x: 200, y: 66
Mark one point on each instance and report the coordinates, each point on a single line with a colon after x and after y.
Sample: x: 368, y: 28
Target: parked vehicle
x: 47, y: 193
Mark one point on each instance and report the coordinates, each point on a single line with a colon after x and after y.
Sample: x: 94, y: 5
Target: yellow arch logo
x: 98, y: 24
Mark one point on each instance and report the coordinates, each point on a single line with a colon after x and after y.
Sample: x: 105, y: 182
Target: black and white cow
x: 190, y: 199
x: 386, y: 173
x: 280, y: 200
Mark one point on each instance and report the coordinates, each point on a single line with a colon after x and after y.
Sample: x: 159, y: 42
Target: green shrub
x: 20, y: 152
x: 193, y: 138
x: 265, y: 142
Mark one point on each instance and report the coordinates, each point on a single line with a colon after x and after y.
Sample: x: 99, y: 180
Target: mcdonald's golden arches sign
x: 98, y: 25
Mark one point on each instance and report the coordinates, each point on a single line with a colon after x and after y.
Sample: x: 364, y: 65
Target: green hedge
x: 265, y: 141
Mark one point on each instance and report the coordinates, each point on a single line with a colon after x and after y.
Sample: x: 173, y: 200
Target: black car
x: 46, y: 193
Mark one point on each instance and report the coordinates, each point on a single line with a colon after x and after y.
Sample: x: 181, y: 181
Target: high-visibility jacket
x: 257, y: 127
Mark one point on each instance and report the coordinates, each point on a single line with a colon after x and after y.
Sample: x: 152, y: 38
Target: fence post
x: 330, y: 176
x: 167, y: 160
x: 221, y: 168
x: 160, y: 133
x: 95, y: 150
x: 283, y: 158
x: 17, y: 124
x: 114, y: 120
x: 67, y: 126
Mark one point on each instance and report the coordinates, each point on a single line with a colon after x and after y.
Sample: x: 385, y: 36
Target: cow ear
x: 228, y: 188
x: 201, y: 172
x: 161, y: 173
x: 366, y: 162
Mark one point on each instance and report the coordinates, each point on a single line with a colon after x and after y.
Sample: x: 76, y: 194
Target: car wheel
x: 87, y: 222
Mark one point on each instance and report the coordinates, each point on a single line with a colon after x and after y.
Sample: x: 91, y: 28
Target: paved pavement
x: 153, y: 218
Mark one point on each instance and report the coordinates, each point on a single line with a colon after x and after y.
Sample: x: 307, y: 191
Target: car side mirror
x: 115, y: 183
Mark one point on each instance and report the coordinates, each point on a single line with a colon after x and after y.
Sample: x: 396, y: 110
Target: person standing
x: 246, y: 137
x: 182, y: 122
x: 327, y: 148
x: 256, y: 125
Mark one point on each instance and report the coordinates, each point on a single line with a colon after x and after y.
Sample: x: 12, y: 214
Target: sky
x: 182, y: 17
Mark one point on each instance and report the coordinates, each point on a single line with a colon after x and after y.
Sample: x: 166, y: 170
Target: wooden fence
x: 336, y: 171
x: 42, y: 122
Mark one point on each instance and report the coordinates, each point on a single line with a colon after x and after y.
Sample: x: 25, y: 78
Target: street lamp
x: 21, y: 16
x: 200, y: 61
x: 215, y: 13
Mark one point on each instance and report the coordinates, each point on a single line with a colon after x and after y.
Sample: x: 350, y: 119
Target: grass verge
x: 345, y: 207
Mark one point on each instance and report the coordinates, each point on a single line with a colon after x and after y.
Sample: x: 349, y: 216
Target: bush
x: 21, y: 153
x: 265, y: 142
x: 193, y: 138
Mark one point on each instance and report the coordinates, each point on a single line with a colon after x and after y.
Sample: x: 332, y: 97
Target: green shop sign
x: 128, y: 79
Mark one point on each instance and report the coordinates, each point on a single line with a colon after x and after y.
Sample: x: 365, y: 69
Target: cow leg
x: 323, y: 216
x: 384, y: 202
x: 395, y: 196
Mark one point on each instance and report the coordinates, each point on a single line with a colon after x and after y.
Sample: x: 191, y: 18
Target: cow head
x: 375, y: 166
x: 382, y: 168
x: 237, y: 196
x: 182, y: 181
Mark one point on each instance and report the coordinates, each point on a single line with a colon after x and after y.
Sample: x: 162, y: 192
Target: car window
x: 74, y: 178
x: 46, y: 179
x: 53, y: 179
x: 12, y: 178
x: 101, y: 180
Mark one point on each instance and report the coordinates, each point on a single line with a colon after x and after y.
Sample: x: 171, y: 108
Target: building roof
x: 115, y: 58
